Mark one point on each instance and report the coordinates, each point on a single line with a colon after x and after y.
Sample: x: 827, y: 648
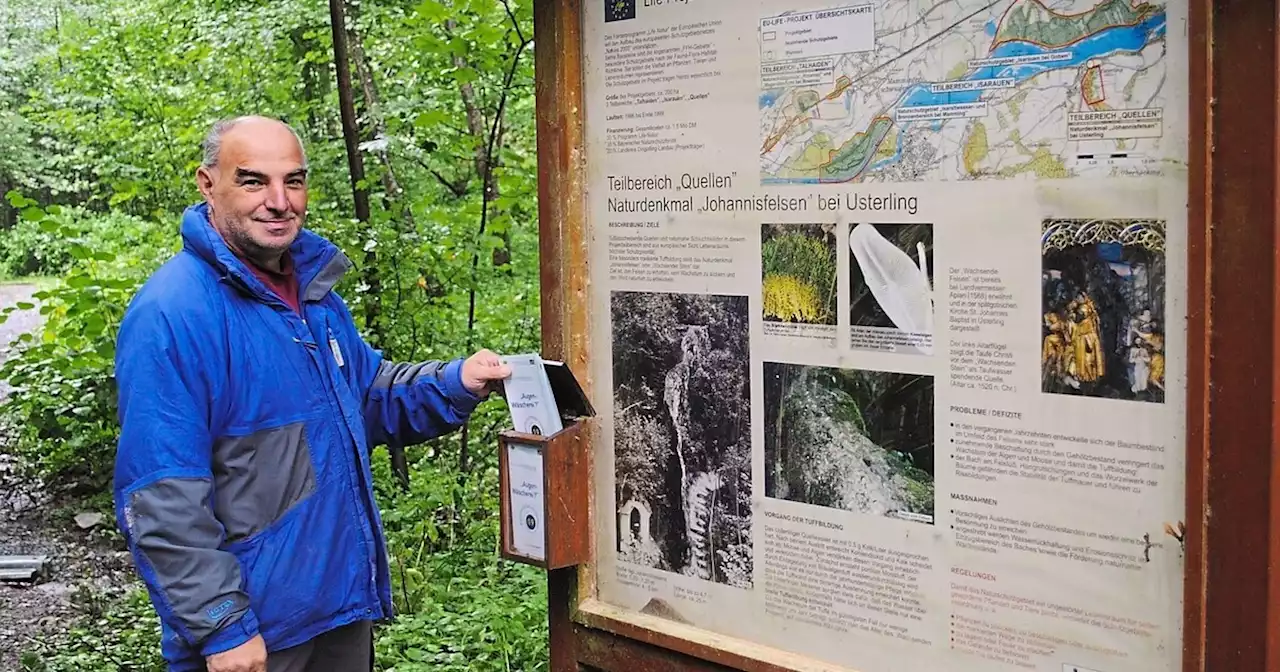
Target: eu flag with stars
x: 619, y: 10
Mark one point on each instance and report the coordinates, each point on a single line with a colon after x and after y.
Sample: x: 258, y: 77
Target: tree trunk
x: 486, y: 152
x: 373, y: 112
x: 355, y: 164
x: 351, y: 36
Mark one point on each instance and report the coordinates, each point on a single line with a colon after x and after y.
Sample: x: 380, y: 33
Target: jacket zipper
x: 310, y: 345
x: 331, y: 395
x: 358, y: 467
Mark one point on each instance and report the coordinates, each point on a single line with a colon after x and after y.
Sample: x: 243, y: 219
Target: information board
x: 890, y: 326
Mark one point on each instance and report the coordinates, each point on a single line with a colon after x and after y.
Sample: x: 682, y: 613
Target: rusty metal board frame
x: 1231, y: 595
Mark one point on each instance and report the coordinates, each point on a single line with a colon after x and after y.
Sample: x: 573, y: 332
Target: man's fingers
x: 490, y: 366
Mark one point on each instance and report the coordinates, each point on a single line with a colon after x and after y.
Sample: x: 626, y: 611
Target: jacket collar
x: 318, y: 263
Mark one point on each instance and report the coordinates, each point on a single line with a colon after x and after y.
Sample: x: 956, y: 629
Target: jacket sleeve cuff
x: 232, y: 635
x: 459, y: 395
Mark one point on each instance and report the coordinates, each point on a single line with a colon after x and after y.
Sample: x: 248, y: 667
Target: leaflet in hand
x: 528, y: 391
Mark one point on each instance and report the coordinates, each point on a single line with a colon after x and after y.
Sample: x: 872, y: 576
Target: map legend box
x: 818, y: 33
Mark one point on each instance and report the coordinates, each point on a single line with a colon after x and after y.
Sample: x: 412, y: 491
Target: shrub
x: 26, y: 249
x: 42, y: 241
x: 63, y: 402
x: 459, y: 605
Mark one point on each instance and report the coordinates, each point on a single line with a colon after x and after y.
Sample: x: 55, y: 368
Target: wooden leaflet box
x: 544, y: 481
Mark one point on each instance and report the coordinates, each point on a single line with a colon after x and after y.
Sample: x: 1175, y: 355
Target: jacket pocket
x: 271, y: 566
x: 258, y: 478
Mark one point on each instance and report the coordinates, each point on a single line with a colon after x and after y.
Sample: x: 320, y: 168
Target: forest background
x: 103, y: 104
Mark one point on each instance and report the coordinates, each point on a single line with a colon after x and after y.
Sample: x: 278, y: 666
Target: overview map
x: 963, y: 90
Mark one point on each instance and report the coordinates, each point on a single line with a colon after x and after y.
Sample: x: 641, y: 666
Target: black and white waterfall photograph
x: 682, y: 434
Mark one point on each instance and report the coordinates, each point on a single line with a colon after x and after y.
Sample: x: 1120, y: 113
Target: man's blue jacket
x: 242, y: 482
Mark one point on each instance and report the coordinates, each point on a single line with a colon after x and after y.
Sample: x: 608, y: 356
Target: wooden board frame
x: 1232, y: 580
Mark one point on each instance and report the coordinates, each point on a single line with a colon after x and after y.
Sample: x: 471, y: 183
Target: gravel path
x: 78, y: 558
x: 19, y: 323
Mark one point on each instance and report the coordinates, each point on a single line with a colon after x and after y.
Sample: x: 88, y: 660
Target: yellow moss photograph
x: 799, y: 273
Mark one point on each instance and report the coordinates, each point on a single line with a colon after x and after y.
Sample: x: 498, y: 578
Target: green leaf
x: 94, y: 325
x: 32, y: 214
x: 432, y: 10
x: 428, y: 118
x: 17, y: 200
x: 23, y: 305
x: 464, y: 76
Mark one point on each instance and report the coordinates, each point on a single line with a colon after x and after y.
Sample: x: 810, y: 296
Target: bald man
x: 249, y: 405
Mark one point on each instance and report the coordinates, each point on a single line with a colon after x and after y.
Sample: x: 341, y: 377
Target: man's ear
x: 204, y: 182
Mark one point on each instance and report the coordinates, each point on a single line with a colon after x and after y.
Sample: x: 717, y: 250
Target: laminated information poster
x: 891, y: 337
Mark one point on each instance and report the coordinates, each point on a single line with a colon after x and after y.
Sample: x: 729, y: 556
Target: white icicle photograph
x: 891, y: 298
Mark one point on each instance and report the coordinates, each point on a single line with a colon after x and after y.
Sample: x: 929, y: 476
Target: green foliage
x: 30, y: 247
x: 459, y: 607
x: 112, y: 632
x: 104, y: 105
x: 64, y: 397
x: 46, y: 241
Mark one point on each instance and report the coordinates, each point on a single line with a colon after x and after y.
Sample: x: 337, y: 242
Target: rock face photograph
x: 682, y: 434
x: 847, y: 439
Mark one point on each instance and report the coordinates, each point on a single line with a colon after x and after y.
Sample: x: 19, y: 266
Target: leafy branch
x: 489, y: 193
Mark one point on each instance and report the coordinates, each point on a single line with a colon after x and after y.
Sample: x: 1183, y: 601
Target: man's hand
x: 482, y: 372
x: 248, y: 657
